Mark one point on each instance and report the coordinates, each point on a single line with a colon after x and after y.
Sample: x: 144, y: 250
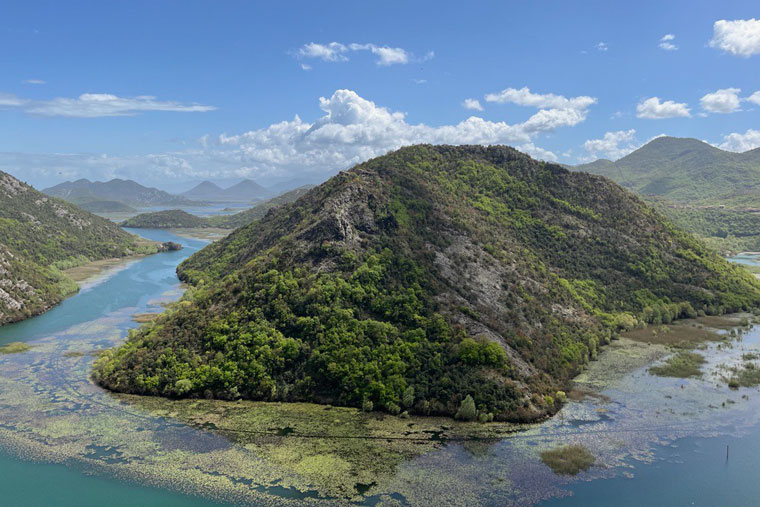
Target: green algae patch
x: 332, y: 448
x: 568, y: 460
x: 14, y: 348
x: 683, y: 364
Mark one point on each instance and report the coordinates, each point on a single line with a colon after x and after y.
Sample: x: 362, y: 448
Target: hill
x: 243, y: 191
x: 246, y: 191
x: 204, y: 191
x: 39, y: 237
x: 168, y: 219
x: 124, y: 191
x: 686, y: 171
x: 172, y: 219
x: 107, y: 207
x: 256, y: 212
x: 418, y: 279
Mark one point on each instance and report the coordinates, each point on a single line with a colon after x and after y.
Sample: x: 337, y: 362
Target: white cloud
x: 538, y: 152
x: 602, y: 46
x: 419, y: 81
x: 613, y: 145
x: 332, y: 52
x: 740, y: 37
x: 653, y: 109
x: 725, y: 100
x: 556, y: 110
x: 524, y: 97
x: 754, y: 98
x: 741, y: 142
x: 666, y: 42
x: 337, y: 52
x: 472, y: 104
x: 34, y: 81
x: 351, y: 129
x: 387, y: 55
x: 10, y: 100
x: 306, y: 66
x: 93, y: 105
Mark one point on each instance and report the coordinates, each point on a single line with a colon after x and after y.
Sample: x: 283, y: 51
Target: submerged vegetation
x: 14, y: 348
x: 422, y: 278
x: 568, y: 460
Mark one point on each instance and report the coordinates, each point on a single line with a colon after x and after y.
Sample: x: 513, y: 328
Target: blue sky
x: 174, y: 92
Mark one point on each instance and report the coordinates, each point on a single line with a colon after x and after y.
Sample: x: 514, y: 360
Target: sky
x: 174, y: 92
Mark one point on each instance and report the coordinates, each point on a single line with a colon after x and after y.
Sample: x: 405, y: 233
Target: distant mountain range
x: 686, y: 171
x: 127, y: 192
x: 245, y: 191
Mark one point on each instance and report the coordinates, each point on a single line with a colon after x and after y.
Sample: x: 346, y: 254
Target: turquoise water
x: 27, y: 483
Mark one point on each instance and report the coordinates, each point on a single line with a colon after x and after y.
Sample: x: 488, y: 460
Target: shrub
x: 467, y: 410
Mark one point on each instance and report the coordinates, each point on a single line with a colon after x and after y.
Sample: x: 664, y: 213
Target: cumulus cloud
x: 741, y: 142
x: 613, y: 145
x: 740, y: 37
x: 602, y: 46
x: 524, y: 97
x: 754, y: 98
x: 34, y: 81
x: 653, y: 109
x: 93, y: 105
x: 351, y: 129
x: 725, y: 100
x: 338, y: 52
x: 472, y: 104
x: 666, y: 42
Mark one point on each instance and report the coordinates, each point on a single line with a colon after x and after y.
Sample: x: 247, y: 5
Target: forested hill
x: 39, y: 236
x: 686, y: 171
x: 421, y: 277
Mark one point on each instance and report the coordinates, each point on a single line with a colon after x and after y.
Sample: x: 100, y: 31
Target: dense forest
x: 729, y: 231
x: 423, y: 281
x: 39, y: 237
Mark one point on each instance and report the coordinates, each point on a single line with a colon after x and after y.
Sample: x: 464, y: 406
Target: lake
x: 655, y: 440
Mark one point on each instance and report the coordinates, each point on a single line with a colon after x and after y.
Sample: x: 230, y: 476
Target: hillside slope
x: 39, y: 236
x: 686, y: 171
x: 421, y: 277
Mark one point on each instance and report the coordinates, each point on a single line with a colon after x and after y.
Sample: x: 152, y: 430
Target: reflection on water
x: 655, y: 440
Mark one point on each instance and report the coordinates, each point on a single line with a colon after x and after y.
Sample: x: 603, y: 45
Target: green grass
x: 568, y: 460
x: 683, y: 364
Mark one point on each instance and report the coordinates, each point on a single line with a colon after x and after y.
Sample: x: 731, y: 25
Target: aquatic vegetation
x: 568, y: 460
x: 746, y: 375
x: 14, y: 348
x: 683, y: 364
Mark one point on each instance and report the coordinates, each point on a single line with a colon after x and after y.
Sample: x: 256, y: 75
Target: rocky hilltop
x: 420, y: 280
